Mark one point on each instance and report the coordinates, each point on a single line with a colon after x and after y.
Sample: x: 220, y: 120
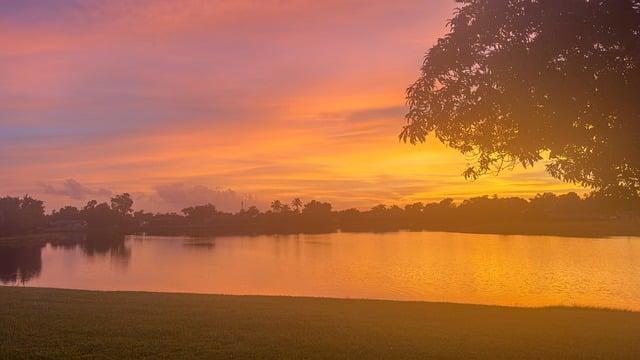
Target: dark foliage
x: 568, y: 213
x: 556, y: 213
x: 20, y: 215
x: 117, y: 214
x: 516, y: 81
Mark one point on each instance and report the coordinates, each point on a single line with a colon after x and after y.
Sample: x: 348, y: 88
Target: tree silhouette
x: 317, y: 208
x: 20, y: 215
x: 123, y: 203
x: 568, y: 214
x: 517, y: 81
x: 200, y: 214
x: 296, y: 204
x: 276, y: 206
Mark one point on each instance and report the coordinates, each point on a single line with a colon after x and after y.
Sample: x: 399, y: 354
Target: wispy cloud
x: 74, y: 190
x: 179, y: 195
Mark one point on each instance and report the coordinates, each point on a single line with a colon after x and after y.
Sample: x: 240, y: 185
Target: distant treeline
x: 22, y: 216
x: 545, y: 213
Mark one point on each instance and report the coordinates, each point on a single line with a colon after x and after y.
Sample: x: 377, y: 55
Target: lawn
x: 39, y: 323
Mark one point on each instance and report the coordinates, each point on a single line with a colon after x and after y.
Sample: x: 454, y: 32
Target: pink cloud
x: 74, y: 190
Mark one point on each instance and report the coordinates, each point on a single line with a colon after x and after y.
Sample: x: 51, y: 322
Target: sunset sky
x: 177, y: 101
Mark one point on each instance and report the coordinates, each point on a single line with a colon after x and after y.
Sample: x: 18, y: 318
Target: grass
x: 64, y: 324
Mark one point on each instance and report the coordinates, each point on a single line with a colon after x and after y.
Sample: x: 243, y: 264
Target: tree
x: 380, y: 209
x: 20, y: 215
x: 516, y: 81
x: 91, y: 204
x: 99, y: 216
x: 200, y: 214
x: 116, y: 215
x: 32, y: 213
x: 296, y: 204
x: 66, y: 213
x: 276, y: 206
x: 317, y: 208
x: 122, y: 204
x: 285, y: 209
x: 252, y: 212
x: 414, y: 209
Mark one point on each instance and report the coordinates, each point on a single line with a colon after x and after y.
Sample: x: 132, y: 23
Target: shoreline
x: 41, y: 239
x: 79, y: 323
x: 328, y: 298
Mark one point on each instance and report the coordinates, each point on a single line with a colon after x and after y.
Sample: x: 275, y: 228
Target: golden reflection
x: 450, y: 267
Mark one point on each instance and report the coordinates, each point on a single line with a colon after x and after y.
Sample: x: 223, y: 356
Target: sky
x: 181, y: 102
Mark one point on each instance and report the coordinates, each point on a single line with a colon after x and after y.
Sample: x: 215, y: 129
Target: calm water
x: 466, y: 268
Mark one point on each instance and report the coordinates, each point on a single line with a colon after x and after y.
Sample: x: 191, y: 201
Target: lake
x: 425, y: 266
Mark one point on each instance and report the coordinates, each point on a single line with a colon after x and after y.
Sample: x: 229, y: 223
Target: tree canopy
x: 518, y: 81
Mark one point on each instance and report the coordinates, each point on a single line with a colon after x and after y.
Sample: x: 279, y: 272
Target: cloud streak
x: 179, y: 196
x: 74, y: 190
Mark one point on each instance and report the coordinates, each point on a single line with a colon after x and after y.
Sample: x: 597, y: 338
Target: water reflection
x: 465, y: 268
x: 200, y: 243
x: 21, y: 263
x: 101, y: 245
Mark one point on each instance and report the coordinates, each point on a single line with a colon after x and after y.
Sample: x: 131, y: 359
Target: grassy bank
x: 41, y: 239
x: 69, y: 324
